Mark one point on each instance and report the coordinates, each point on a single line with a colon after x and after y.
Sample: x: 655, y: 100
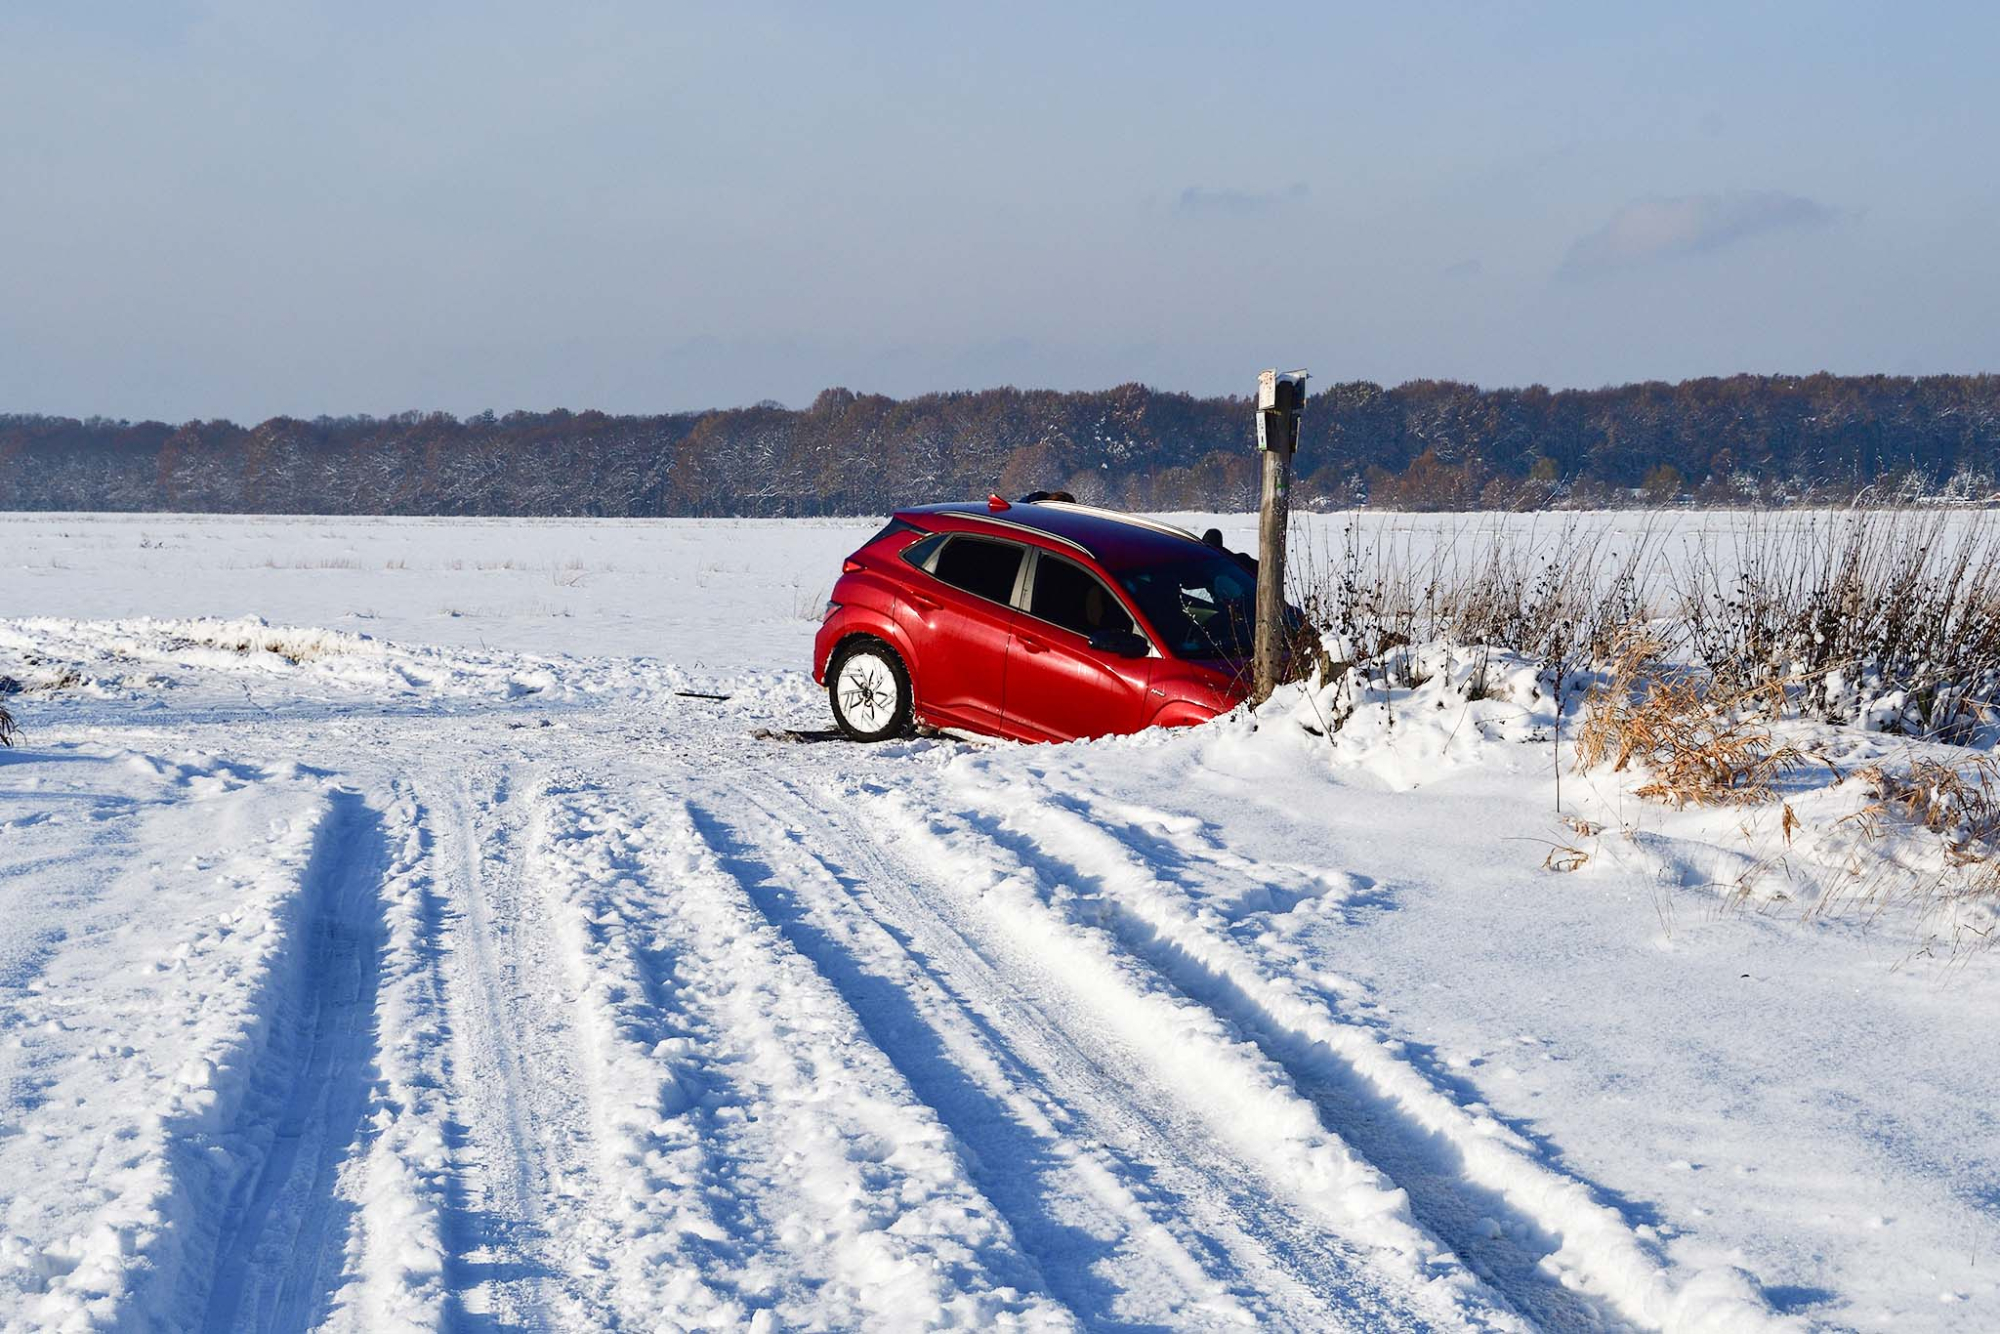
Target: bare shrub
x: 1886, y: 616
x: 1558, y: 597
x: 1700, y: 747
x: 10, y: 730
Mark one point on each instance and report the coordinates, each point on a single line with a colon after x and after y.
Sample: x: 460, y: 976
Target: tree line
x: 1427, y: 444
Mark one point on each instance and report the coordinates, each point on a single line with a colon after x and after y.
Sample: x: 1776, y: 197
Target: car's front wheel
x: 869, y: 689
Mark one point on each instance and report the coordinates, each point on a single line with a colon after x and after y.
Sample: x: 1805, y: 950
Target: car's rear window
x: 919, y: 552
x: 1070, y: 596
x: 980, y: 566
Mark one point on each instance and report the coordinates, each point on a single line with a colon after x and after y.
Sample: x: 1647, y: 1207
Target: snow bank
x: 1426, y: 710
x: 138, y: 658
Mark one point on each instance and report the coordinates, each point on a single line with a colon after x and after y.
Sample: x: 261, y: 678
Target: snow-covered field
x: 422, y: 957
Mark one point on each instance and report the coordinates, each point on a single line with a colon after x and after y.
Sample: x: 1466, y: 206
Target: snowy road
x: 356, y: 986
x: 599, y: 1026
x: 633, y: 1020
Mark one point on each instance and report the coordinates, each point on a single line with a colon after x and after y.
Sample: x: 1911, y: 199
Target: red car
x: 1040, y: 621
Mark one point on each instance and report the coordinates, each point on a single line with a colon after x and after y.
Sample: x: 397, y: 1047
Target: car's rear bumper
x: 823, y: 643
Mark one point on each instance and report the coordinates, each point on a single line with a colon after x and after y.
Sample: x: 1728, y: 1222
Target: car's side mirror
x: 1123, y: 643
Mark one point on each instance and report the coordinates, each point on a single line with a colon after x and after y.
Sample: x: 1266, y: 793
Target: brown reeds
x: 1959, y: 803
x: 1699, y: 746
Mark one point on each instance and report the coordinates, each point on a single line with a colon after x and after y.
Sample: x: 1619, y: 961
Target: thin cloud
x: 1199, y: 201
x: 1647, y: 231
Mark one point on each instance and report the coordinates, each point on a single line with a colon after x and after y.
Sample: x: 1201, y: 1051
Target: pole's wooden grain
x: 1273, y: 516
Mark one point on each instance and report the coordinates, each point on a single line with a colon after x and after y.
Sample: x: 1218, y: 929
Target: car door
x: 959, y: 621
x: 1057, y: 685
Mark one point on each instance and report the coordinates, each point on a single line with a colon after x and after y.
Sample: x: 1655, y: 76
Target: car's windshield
x: 1202, y: 608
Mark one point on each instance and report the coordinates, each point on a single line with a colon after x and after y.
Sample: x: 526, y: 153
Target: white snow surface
x: 386, y: 943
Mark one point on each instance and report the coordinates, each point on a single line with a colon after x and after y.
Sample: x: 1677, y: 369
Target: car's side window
x: 980, y: 566
x: 1072, y: 597
x: 919, y: 553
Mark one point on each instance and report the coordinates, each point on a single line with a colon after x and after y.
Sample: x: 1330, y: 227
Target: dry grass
x: 809, y: 600
x: 315, y: 563
x: 1960, y: 804
x: 1887, y: 621
x: 1699, y: 746
x: 294, y: 651
x: 45, y: 678
x: 1566, y: 857
x: 1563, y: 858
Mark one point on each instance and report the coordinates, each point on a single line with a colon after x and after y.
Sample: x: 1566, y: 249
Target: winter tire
x: 869, y: 689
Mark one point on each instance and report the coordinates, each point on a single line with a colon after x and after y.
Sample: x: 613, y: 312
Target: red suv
x: 1041, y: 621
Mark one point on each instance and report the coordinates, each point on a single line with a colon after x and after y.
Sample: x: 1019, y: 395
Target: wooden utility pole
x: 1280, y: 400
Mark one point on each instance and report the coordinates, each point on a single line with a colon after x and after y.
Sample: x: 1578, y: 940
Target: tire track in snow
x: 1539, y: 1236
x: 1497, y: 1242
x: 284, y: 1225
x: 1102, y: 1244
x: 663, y: 1213
x: 517, y: 1132
x: 1288, y: 1189
x: 762, y: 1158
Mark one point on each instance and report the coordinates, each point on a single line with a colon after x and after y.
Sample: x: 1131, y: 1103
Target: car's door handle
x: 928, y: 604
x: 1032, y: 645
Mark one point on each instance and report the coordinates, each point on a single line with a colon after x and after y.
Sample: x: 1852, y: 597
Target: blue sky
x: 256, y: 207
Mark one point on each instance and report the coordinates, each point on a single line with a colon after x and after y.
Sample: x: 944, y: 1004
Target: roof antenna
x: 994, y: 503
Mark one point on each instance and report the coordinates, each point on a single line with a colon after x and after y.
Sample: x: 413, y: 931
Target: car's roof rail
x: 1121, y: 516
x: 1030, y: 529
x: 984, y: 515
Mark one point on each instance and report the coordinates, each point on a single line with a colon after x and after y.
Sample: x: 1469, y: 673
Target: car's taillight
x: 851, y: 566
x: 827, y: 615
